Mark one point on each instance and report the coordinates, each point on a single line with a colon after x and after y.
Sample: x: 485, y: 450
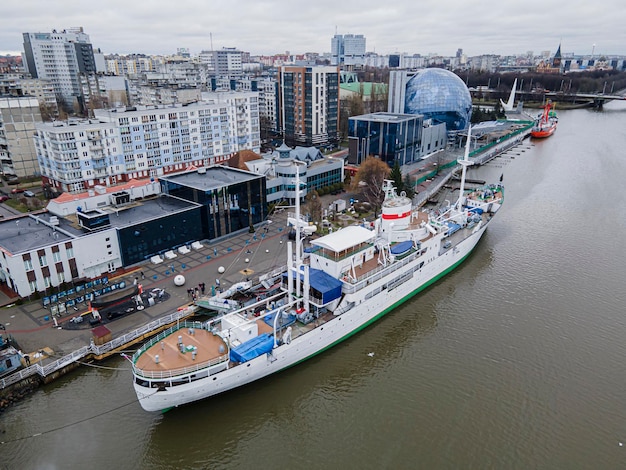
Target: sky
x: 267, y: 27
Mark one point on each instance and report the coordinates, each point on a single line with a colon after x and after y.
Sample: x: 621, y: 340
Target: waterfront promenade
x: 33, y: 327
x: 243, y: 255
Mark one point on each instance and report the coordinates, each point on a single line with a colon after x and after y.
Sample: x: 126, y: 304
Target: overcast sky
x: 275, y: 26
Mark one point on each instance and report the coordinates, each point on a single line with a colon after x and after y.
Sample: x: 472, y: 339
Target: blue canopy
x: 252, y: 348
x: 324, y: 283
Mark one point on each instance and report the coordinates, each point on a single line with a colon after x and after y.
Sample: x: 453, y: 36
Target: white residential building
x: 150, y: 141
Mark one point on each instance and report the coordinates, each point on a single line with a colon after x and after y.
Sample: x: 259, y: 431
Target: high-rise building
x: 60, y: 57
x: 309, y: 100
x: 18, y: 119
x: 225, y: 62
x: 347, y: 49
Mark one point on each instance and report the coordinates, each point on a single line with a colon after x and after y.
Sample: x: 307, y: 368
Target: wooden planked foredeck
x: 207, y: 347
x: 170, y: 358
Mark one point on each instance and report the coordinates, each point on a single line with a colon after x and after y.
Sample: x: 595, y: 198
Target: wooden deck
x: 206, y: 343
x: 207, y: 347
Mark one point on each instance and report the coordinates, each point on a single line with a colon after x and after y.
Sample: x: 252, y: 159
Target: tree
x: 396, y: 176
x: 407, y: 186
x: 314, y: 206
x: 351, y: 106
x: 369, y: 181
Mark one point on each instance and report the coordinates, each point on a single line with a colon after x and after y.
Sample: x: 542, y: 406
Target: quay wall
x: 16, y: 386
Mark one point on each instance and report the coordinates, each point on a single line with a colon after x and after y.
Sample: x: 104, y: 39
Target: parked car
x: 17, y: 190
x: 3, y: 198
x: 29, y: 194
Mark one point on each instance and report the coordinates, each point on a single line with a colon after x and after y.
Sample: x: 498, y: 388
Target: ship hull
x: 543, y: 133
x: 365, y: 310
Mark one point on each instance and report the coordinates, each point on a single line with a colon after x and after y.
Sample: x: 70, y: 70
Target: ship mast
x: 464, y: 163
x: 298, y: 257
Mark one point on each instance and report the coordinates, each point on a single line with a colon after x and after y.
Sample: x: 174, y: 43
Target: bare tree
x: 314, y: 206
x: 369, y: 179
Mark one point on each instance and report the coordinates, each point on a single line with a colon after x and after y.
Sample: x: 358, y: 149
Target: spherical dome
x: 440, y: 95
x: 179, y: 280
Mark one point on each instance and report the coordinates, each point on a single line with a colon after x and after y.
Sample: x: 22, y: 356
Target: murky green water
x: 515, y: 360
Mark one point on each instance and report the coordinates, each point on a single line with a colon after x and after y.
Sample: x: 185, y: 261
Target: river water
x: 515, y: 360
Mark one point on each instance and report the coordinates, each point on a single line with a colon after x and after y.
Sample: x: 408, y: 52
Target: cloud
x: 272, y: 26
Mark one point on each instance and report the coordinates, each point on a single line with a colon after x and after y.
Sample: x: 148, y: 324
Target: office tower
x: 347, y: 49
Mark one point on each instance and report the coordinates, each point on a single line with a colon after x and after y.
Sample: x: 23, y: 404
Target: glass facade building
x: 390, y: 137
x: 139, y: 242
x: 439, y: 95
x: 231, y: 199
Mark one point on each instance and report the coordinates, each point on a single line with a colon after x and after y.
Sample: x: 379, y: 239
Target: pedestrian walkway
x: 242, y: 255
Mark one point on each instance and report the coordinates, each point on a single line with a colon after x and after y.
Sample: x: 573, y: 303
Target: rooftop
x: 215, y: 177
x: 35, y: 231
x: 346, y: 238
x: 24, y: 234
x: 386, y: 117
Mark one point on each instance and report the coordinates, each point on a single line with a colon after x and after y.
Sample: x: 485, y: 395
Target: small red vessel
x: 546, y: 123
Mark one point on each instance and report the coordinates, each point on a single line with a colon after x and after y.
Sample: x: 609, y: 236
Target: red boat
x: 546, y: 123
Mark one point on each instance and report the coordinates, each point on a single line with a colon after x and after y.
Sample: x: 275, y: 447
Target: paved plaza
x: 245, y: 255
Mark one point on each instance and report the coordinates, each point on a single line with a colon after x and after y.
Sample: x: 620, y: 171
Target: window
x: 33, y: 286
x: 70, y: 252
x: 42, y: 261
x: 28, y: 265
x: 56, y: 255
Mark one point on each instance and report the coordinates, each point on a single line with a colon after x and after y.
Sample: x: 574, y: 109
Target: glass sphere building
x: 439, y: 95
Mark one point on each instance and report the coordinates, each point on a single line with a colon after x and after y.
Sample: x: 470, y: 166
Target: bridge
x: 595, y: 100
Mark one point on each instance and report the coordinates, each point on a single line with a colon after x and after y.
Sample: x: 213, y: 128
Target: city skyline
x: 505, y: 28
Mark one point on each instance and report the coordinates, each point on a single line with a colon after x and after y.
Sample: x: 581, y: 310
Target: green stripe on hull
x: 377, y: 317
x: 387, y: 310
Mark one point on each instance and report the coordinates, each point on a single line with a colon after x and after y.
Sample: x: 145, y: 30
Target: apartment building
x: 309, y: 104
x: 123, y: 144
x: 60, y: 57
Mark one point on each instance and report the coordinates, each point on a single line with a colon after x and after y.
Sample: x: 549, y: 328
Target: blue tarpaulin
x: 401, y: 247
x: 283, y: 320
x: 452, y: 227
x: 477, y: 210
x: 325, y: 284
x: 252, y: 348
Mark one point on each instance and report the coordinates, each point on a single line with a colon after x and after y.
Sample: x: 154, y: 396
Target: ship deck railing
x: 165, y: 333
x: 168, y: 374
x: 352, y: 285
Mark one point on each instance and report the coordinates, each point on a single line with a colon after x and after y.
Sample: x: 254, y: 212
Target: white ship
x: 349, y: 279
